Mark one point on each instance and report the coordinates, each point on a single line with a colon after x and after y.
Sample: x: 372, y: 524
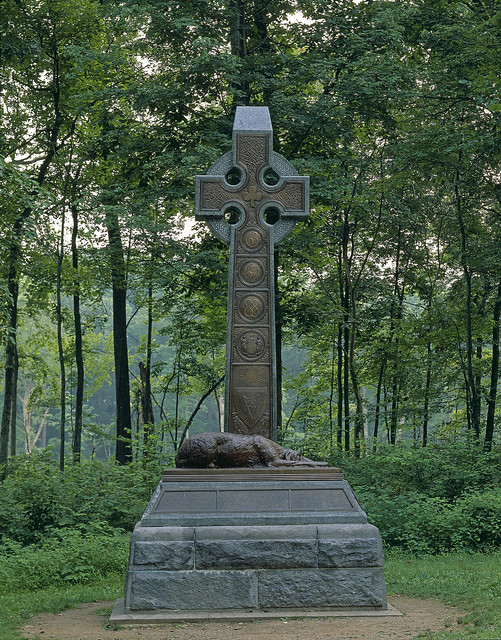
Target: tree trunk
x: 340, y: 386
x: 344, y: 293
x: 331, y: 396
x: 378, y: 403
x: 77, y: 319
x: 123, y: 452
x: 60, y: 350
x: 493, y: 387
x: 346, y: 388
x: 396, y: 316
x: 474, y: 393
x: 426, y: 408
x: 394, y: 411
x: 10, y: 342
x: 13, y: 417
x: 238, y: 45
x: 148, y: 418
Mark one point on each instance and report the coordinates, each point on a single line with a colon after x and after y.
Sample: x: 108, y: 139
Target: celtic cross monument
x: 251, y: 199
x: 266, y: 539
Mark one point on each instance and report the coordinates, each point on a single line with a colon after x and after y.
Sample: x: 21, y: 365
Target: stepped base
x: 253, y: 543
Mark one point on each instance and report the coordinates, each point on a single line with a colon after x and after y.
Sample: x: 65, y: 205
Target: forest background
x: 113, y: 300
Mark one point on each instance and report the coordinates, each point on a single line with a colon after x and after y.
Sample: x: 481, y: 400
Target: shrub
x: 68, y: 557
x: 37, y: 498
x: 447, y: 470
x: 421, y: 524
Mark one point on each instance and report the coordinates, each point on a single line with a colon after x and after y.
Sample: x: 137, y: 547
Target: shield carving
x: 250, y: 403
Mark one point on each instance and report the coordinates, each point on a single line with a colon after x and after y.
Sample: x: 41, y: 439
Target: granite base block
x: 249, y: 554
x: 318, y: 554
x: 322, y: 588
x: 191, y: 590
x: 163, y: 616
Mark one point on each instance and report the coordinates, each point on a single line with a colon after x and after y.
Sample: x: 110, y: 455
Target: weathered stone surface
x: 355, y: 552
x: 342, y: 531
x: 191, y: 590
x: 151, y: 534
x: 285, y: 532
x: 314, y: 588
x: 249, y: 554
x: 176, y: 556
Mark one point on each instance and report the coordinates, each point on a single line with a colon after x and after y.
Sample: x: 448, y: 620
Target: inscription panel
x: 254, y: 501
x: 187, y: 502
x: 320, y: 500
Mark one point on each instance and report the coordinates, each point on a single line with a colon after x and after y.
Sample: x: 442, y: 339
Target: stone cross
x: 251, y: 198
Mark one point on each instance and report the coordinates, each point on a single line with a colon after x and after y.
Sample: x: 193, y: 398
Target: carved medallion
x: 251, y: 308
x: 251, y: 272
x: 251, y: 345
x: 252, y: 239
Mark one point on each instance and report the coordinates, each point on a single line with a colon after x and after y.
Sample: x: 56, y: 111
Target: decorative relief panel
x: 251, y: 272
x: 252, y: 151
x: 252, y: 239
x: 251, y: 306
x: 213, y: 196
x: 291, y: 196
x: 251, y: 375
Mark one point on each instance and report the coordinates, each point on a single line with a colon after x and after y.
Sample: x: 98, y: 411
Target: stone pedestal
x: 255, y: 542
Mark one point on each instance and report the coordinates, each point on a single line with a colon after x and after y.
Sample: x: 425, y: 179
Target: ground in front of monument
x: 90, y: 622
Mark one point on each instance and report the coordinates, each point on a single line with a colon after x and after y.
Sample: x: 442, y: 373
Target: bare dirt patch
x: 87, y: 622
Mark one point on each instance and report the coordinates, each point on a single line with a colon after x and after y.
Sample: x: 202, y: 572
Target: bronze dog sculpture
x: 227, y: 450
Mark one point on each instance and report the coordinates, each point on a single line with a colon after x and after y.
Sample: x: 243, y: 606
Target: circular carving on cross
x: 252, y: 239
x: 252, y: 308
x: 251, y: 345
x: 251, y: 272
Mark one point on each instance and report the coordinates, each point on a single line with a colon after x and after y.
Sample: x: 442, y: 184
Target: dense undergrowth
x: 435, y: 500
x: 65, y: 531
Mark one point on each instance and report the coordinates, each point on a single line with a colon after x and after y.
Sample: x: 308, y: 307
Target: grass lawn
x: 469, y: 581
x: 18, y: 607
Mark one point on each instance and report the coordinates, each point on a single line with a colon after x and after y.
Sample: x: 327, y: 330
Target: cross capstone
x: 266, y: 197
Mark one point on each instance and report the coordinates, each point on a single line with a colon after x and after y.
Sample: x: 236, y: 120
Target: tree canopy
x: 113, y: 301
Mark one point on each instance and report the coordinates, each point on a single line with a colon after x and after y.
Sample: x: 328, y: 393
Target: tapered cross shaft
x: 265, y: 197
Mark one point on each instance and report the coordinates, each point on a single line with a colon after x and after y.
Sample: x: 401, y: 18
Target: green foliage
x: 37, y: 499
x: 431, y: 500
x: 422, y: 524
x: 446, y: 470
x: 67, y: 556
